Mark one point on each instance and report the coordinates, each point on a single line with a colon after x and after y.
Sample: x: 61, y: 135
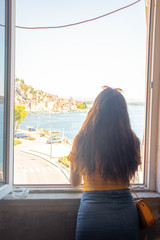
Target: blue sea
x: 70, y: 123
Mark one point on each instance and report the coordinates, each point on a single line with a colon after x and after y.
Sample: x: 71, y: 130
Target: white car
x: 21, y: 135
x: 55, y: 140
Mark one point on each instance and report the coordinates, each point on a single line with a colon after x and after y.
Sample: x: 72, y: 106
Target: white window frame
x: 152, y: 90
x: 9, y: 93
x: 152, y: 102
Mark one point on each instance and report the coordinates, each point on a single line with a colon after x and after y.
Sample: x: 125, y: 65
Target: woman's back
x: 106, y: 152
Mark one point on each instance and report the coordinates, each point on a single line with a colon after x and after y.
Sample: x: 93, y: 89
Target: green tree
x: 82, y: 106
x: 19, y: 114
x: 24, y: 87
x: 22, y: 81
x: 32, y: 91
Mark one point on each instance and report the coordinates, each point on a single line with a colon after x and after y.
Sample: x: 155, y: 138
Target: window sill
x: 71, y: 193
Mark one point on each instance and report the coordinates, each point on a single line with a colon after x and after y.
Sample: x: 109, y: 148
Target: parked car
x: 42, y: 134
x: 31, y: 129
x: 55, y: 140
x: 21, y: 135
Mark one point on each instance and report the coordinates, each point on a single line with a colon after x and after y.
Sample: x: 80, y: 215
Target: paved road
x: 30, y: 169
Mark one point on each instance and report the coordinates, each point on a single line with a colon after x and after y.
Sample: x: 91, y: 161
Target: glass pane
x: 59, y: 72
x: 2, y: 79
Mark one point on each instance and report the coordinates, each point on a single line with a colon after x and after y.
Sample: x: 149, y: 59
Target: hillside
x: 39, y: 101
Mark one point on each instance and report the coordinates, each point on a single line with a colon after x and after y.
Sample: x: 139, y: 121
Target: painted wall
x: 54, y: 219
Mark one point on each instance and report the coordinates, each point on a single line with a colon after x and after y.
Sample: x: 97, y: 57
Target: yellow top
x: 95, y: 181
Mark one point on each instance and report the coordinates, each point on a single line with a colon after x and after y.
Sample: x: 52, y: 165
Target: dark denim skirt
x: 107, y: 215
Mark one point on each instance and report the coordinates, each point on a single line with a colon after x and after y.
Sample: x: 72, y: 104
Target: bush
x: 31, y: 138
x: 46, y: 132
x: 16, y: 142
x: 82, y: 106
x: 64, y: 161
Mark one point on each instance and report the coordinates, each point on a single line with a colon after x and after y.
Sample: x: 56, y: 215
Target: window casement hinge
x: 151, y: 84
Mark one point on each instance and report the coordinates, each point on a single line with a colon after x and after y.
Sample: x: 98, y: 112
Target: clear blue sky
x: 76, y: 61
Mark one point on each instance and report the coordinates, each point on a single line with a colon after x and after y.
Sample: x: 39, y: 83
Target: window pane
x: 59, y: 72
x: 2, y: 79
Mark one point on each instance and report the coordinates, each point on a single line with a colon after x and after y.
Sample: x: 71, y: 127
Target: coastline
x: 57, y: 112
x: 79, y: 110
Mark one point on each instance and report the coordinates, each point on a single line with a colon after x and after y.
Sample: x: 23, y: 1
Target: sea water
x: 70, y: 123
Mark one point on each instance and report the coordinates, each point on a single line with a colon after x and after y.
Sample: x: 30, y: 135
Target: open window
x: 59, y: 72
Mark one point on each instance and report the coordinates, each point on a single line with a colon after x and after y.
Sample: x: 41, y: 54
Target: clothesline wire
x: 78, y: 23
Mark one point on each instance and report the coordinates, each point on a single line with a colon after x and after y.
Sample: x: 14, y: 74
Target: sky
x: 77, y: 61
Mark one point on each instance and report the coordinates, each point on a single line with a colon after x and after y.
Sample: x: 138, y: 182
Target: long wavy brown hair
x: 106, y: 139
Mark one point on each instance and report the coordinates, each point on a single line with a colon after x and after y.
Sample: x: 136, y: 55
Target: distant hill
x: 136, y: 103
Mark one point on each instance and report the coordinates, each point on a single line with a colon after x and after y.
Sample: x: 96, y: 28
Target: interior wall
x: 46, y: 219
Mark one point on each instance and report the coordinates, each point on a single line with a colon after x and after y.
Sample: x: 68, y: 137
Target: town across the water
x: 41, y: 101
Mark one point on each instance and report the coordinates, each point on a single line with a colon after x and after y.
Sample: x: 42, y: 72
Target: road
x: 31, y: 169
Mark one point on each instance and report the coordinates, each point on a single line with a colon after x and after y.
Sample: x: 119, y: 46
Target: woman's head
x: 106, y: 138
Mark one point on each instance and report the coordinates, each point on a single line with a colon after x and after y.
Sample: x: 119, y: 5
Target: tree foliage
x: 19, y: 114
x: 82, y: 106
x: 32, y: 91
x: 24, y: 87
